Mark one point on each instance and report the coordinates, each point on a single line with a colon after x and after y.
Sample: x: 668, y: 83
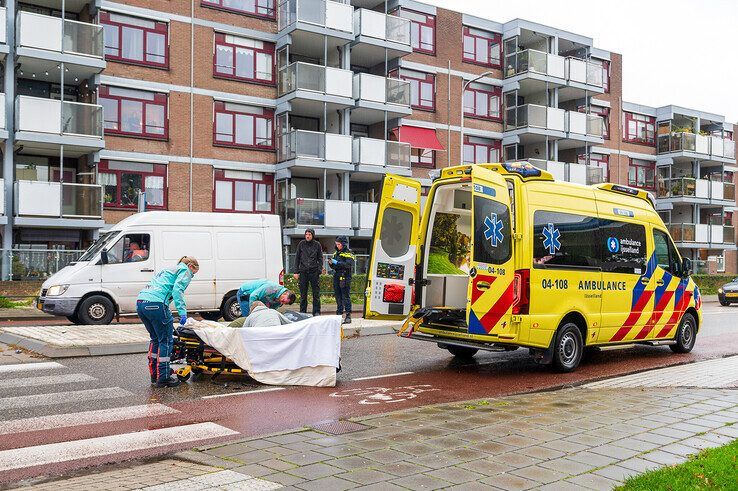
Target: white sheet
x: 267, y: 352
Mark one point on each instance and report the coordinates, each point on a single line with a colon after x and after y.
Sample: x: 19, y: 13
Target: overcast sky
x: 674, y: 51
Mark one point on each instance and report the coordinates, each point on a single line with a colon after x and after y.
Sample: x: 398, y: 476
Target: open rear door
x: 388, y: 293
x: 491, y: 290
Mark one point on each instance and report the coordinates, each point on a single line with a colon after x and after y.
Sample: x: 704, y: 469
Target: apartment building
x: 299, y: 107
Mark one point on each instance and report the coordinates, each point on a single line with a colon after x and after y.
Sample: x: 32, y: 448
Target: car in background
x: 728, y: 293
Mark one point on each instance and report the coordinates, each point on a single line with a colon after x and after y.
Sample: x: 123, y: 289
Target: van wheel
x: 231, y: 310
x: 459, y: 351
x: 96, y: 310
x: 568, y: 348
x: 210, y: 316
x: 73, y: 318
x: 686, y: 335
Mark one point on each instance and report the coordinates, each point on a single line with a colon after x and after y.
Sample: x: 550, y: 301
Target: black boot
x: 153, y: 375
x: 347, y: 319
x: 168, y: 382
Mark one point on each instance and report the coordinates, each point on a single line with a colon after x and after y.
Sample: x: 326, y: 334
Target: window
x: 243, y: 126
x: 482, y: 47
x: 261, y: 8
x: 422, y: 157
x: 642, y: 174
x: 640, y: 129
x: 623, y: 247
x: 122, y: 182
x: 481, y: 150
x: 598, y: 160
x: 245, y: 192
x: 135, y: 40
x: 131, y: 248
x: 565, y: 240
x: 491, y: 250
x: 243, y: 59
x: 397, y: 226
x: 483, y: 101
x: 666, y: 255
x: 134, y: 112
x: 422, y: 89
x: 422, y: 31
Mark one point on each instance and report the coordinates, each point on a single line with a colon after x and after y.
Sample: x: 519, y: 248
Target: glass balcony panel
x: 595, y: 125
x: 398, y: 154
x: 536, y: 115
x: 398, y: 92
x: 83, y: 38
x: 595, y: 74
x: 301, y: 212
x: 287, y: 13
x: 537, y: 61
x: 82, y: 119
x: 312, y: 11
x: 729, y: 234
x: 398, y: 29
x: 729, y: 191
x: 304, y: 76
x: 82, y: 200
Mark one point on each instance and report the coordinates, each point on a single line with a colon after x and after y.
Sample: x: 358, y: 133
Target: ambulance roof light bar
x: 636, y: 193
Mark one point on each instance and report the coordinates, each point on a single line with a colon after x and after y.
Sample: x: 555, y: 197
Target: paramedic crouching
x: 271, y: 294
x: 153, y: 308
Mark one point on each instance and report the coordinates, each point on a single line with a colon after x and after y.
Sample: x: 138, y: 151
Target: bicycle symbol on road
x: 385, y: 395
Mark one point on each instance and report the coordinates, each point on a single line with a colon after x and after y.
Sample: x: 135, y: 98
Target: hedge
x: 358, y: 282
x: 709, y: 283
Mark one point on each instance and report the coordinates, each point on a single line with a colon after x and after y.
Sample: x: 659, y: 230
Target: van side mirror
x: 104, y: 256
x: 686, y: 266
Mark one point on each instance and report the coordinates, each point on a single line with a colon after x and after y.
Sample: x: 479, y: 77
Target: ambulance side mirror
x: 686, y: 266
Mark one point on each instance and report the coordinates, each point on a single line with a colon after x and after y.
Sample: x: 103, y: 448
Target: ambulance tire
x: 686, y: 335
x: 459, y: 351
x: 568, y: 348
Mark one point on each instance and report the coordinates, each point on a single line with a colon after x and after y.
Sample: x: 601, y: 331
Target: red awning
x: 418, y: 137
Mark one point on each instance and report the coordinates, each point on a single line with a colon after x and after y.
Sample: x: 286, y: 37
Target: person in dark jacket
x: 342, y: 265
x: 308, y: 266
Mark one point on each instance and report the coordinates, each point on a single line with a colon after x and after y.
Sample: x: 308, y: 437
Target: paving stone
x: 568, y: 466
x: 351, y: 463
x: 562, y: 486
x: 699, y: 443
x: 384, y: 456
x: 366, y: 476
x: 510, y: 482
x: 420, y: 482
x: 314, y: 471
x: 614, y: 451
x: 730, y: 431
x: 517, y: 441
x: 305, y: 458
x: 290, y: 438
x: 331, y: 483
x: 633, y: 444
x: 593, y: 481
x: 616, y: 472
x: 516, y: 460
x: 416, y: 449
x: 230, y: 450
x: 589, y: 440
x: 654, y: 438
x: 456, y: 475
x: 465, y: 454
x: 383, y: 486
x: 663, y: 458
x: 252, y: 457
x: 254, y: 470
x: 672, y: 433
x: 402, y: 469
x: 639, y: 465
x: 487, y: 467
x: 565, y: 446
x: 436, y: 460
x: 679, y: 449
x: 369, y: 444
x: 541, y: 453
x: 340, y: 450
x: 539, y: 474
x: 494, y: 448
x: 588, y: 457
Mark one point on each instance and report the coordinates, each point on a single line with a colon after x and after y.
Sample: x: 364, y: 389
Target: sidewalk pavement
x: 116, y: 339
x: 577, y: 438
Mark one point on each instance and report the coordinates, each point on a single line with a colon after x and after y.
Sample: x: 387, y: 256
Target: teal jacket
x: 169, y: 285
x: 264, y: 291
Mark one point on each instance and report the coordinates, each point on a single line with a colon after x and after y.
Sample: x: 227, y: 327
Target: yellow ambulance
x: 503, y: 256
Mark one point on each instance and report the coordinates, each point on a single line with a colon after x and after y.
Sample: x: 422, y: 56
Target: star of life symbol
x: 551, y: 238
x: 613, y: 245
x: 493, y: 230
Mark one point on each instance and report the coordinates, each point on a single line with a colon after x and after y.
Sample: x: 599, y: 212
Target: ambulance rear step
x: 443, y: 342
x: 612, y: 347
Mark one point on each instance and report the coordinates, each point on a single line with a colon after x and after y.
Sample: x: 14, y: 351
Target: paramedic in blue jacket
x: 271, y: 294
x: 153, y: 308
x: 342, y: 264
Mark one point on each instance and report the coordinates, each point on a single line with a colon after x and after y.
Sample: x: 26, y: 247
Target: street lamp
x: 463, y: 91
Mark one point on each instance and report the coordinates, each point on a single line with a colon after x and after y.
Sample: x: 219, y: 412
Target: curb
x: 55, y: 351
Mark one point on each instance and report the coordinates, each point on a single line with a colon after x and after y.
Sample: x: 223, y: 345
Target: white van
x: 231, y: 249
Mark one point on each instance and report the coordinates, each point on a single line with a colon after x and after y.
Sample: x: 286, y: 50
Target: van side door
x: 490, y: 292
x: 389, y: 294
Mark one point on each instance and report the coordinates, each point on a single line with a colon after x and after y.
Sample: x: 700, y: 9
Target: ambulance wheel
x: 568, y: 348
x: 459, y: 351
x: 231, y: 309
x: 96, y: 310
x: 210, y: 316
x: 686, y: 335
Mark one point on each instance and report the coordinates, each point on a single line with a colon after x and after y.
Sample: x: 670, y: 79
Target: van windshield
x: 104, y: 241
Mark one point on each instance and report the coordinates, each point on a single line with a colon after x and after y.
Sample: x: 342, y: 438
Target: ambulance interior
x: 448, y: 257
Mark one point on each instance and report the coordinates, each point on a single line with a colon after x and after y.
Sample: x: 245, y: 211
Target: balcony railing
x: 64, y: 36
x: 682, y: 232
x: 690, y: 187
x: 729, y: 191
x: 2, y: 196
x: 371, y: 151
x: 535, y: 116
x: 677, y: 187
x: 565, y: 171
x: 306, y: 212
x: 322, y: 13
x: 38, y: 115
x: 380, y: 89
x: 314, y: 145
x: 372, y: 24
x: 363, y: 215
x: 585, y: 72
x: 702, y: 233
x: 3, y: 124
x: 315, y: 78
x: 683, y: 141
x: 584, y: 124
x: 3, y: 19
x: 533, y: 61
x: 54, y: 199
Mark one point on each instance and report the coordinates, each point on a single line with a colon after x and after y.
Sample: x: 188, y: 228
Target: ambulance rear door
x: 389, y: 293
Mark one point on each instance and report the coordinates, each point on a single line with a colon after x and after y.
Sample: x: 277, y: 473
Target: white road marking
x: 76, y: 396
x: 20, y: 458
x: 84, y: 418
x: 27, y: 367
x: 383, y: 376
x: 46, y: 380
x: 243, y: 393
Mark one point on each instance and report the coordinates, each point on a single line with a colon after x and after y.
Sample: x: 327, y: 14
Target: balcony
x: 3, y: 35
x: 584, y: 72
x: 306, y: 86
x: 535, y: 62
x: 316, y: 149
x: 317, y: 16
x: 698, y: 234
x: 363, y: 216
x: 301, y: 213
x: 696, y: 190
x: 375, y: 31
x: 44, y: 41
x: 709, y: 146
x: 583, y: 124
x: 376, y: 95
x: 535, y: 116
x: 576, y: 173
x: 44, y: 124
x: 43, y: 199
x: 372, y: 155
x: 3, y: 125
x: 3, y: 220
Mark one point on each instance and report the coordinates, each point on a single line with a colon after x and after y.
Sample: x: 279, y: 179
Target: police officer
x: 342, y: 265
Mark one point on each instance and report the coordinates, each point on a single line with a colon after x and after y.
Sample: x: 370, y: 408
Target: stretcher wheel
x: 184, y: 373
x: 184, y: 378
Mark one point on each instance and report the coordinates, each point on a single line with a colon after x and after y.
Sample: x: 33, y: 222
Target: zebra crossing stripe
x: 45, y: 380
x: 84, y: 418
x: 28, y: 367
x: 74, y: 396
x: 20, y: 458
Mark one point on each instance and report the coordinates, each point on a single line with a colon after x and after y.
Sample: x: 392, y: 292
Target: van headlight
x: 56, y: 290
